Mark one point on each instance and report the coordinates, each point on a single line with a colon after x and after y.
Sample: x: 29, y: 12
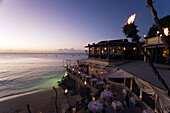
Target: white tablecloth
x: 101, y: 83
x: 88, y: 76
x: 106, y: 94
x: 148, y: 111
x: 95, y: 106
x: 135, y: 100
x: 83, y: 75
x: 124, y: 92
x: 94, y: 80
x: 117, y: 105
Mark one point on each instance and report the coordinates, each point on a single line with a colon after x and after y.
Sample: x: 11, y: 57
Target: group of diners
x: 105, y: 98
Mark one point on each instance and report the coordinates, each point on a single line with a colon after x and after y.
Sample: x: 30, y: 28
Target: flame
x: 131, y: 19
x: 66, y: 91
x: 85, y: 83
x: 93, y: 98
x: 78, y: 72
x: 166, y: 31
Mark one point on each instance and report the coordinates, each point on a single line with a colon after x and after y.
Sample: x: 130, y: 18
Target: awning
x: 117, y: 74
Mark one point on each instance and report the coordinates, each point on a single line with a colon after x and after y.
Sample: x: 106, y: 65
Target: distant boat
x: 56, y: 55
x: 73, y: 55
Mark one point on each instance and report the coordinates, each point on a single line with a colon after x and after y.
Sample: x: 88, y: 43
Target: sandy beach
x: 43, y: 101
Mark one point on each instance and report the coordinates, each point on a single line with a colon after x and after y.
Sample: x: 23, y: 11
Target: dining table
x: 95, y: 106
x: 117, y: 105
x: 135, y: 100
x: 148, y: 111
x: 107, y: 95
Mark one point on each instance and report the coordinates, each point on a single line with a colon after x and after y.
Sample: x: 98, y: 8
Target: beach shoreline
x: 39, y: 101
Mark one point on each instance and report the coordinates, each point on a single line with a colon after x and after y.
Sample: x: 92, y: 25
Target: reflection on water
x: 20, y: 73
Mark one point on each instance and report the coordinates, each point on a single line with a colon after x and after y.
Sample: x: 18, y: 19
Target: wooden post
x: 28, y: 108
x: 56, y: 100
x: 108, y: 52
x: 125, y: 81
x: 100, y: 54
x: 94, y: 52
x: 156, y: 98
x: 145, y: 60
x: 156, y: 53
x: 89, y: 52
x: 122, y: 51
x: 131, y: 83
x: 140, y: 94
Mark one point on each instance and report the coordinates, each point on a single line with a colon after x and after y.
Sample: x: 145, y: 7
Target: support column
x: 131, y: 83
x: 122, y: 51
x: 125, y: 81
x: 156, y: 98
x: 140, y: 94
x: 89, y: 52
x: 100, y: 54
x: 156, y: 54
x: 94, y: 52
x: 145, y: 60
x: 108, y: 52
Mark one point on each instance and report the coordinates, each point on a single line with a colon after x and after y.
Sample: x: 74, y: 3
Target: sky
x: 69, y: 25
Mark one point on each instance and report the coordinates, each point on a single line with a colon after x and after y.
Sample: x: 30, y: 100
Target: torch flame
x: 131, y: 19
x: 65, y: 91
x: 85, y: 83
x: 166, y: 31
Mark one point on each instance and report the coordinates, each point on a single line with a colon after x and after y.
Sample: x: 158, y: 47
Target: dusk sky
x: 49, y: 25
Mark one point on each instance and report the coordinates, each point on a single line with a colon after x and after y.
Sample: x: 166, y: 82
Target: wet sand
x: 43, y: 101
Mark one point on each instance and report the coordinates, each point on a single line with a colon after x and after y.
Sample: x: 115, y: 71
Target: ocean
x: 24, y: 73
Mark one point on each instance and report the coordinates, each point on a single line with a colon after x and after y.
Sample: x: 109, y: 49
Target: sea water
x: 23, y: 73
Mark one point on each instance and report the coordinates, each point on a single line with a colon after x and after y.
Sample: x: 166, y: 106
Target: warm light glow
x: 73, y: 69
x: 144, y: 36
x: 157, y: 32
x: 65, y: 91
x: 91, y: 69
x: 102, y: 51
x: 85, y: 83
x: 131, y: 19
x: 160, y: 34
x: 134, y: 48
x: 140, y: 97
x: 78, y: 72
x: 101, y: 72
x: 164, y: 53
x: 119, y: 47
x: 93, y: 98
x: 166, y: 31
x: 105, y: 48
x: 74, y: 109
x: 97, y: 49
x: 124, y: 48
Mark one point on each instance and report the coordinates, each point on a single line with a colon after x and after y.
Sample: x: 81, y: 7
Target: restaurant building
x: 114, y: 49
x: 155, y: 49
